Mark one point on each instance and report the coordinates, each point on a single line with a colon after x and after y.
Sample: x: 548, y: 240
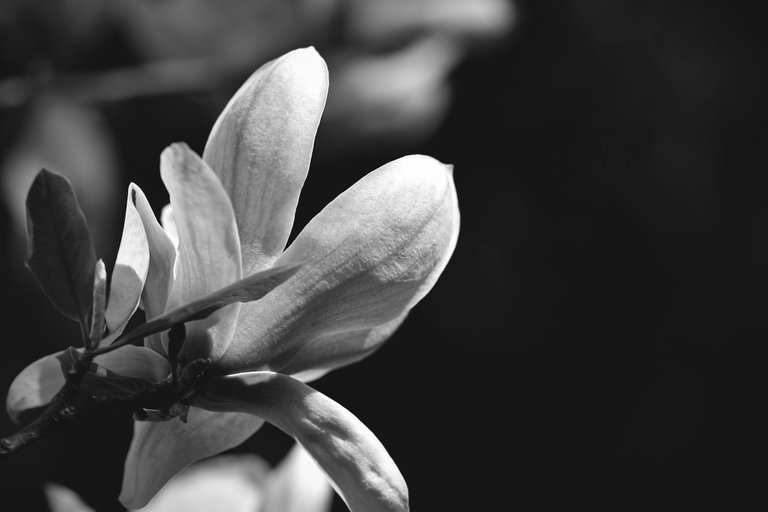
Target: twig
x: 72, y: 403
x: 68, y: 405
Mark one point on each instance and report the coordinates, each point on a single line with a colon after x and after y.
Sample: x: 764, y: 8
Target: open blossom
x: 363, y: 262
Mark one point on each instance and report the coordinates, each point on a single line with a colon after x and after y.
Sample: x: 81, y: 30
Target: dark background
x: 598, y: 337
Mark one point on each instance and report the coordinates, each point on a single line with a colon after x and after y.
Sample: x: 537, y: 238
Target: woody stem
x: 72, y: 402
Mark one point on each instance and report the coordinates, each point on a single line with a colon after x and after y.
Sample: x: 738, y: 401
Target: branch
x: 164, y: 400
x: 68, y: 405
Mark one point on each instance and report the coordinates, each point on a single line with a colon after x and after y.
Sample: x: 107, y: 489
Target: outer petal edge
x: 261, y: 146
x: 355, y: 461
x: 159, y: 450
x: 370, y: 255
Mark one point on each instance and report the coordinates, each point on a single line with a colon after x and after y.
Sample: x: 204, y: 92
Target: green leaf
x: 245, y: 290
x: 61, y: 255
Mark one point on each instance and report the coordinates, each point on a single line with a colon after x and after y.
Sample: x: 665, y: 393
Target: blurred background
x: 598, y: 337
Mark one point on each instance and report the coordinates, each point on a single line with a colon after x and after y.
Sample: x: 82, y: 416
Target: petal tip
x: 305, y: 65
x: 308, y: 52
x: 176, y: 151
x: 128, y: 499
x: 427, y: 166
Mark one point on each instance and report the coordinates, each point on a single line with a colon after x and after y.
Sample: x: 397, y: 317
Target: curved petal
x: 358, y: 465
x: 34, y: 387
x: 335, y: 350
x: 130, y: 271
x: 227, y: 483
x: 159, y: 450
x: 209, y: 248
x: 261, y: 147
x: 162, y: 260
x: 297, y: 485
x: 137, y: 362
x: 63, y: 499
x: 162, y: 257
x: 371, y: 255
x: 169, y: 224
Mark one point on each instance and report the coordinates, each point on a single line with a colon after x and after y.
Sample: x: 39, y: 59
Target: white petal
x: 62, y: 499
x: 227, y: 483
x: 261, y: 147
x: 209, y: 248
x: 339, y: 349
x: 297, y: 485
x: 137, y: 362
x: 159, y: 450
x: 169, y: 224
x: 162, y: 260
x: 130, y: 271
x: 359, y: 467
x: 370, y: 255
x: 34, y: 387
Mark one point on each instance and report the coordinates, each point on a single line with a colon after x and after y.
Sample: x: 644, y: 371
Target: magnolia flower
x: 230, y: 483
x: 363, y: 262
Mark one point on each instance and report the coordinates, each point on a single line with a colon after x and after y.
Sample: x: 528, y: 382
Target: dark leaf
x: 61, y: 254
